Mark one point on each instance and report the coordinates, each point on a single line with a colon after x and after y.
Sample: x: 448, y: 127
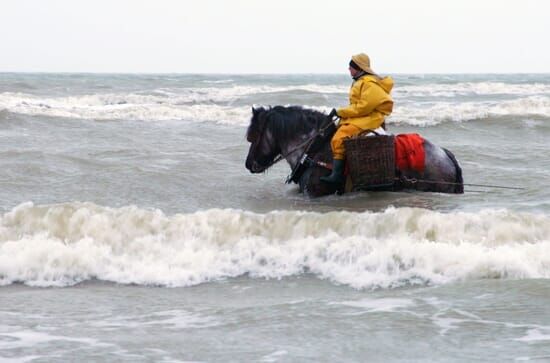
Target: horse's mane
x: 284, y: 121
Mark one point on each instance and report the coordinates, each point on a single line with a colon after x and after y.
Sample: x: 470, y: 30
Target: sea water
x: 130, y: 229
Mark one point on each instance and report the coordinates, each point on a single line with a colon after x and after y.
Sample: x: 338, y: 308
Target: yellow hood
x: 386, y: 83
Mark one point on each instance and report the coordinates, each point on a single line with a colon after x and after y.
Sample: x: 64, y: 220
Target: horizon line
x: 264, y: 73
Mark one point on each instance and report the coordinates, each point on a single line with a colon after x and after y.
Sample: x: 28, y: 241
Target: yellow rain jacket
x: 370, y: 102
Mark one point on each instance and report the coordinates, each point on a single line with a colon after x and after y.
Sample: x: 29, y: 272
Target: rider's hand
x: 333, y: 113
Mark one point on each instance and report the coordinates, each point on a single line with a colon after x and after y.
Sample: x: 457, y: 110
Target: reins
x: 304, y: 159
x: 282, y: 156
x: 306, y: 143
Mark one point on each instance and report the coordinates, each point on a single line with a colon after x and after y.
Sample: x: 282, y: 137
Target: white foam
x: 123, y: 107
x: 64, y: 244
x: 534, y: 335
x: 274, y: 357
x: 174, y: 96
x: 472, y: 89
x: 220, y: 104
x: 380, y: 305
x: 130, y: 107
x: 21, y: 359
x: 446, y: 324
x: 30, y: 338
x: 439, y: 112
x: 172, y: 319
x: 218, y: 81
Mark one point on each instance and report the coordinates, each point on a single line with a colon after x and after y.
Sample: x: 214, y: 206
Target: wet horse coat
x: 288, y: 132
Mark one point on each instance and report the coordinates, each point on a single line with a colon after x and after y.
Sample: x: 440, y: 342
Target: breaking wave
x: 123, y: 107
x: 473, y: 89
x: 438, y: 112
x: 61, y: 245
x: 419, y: 105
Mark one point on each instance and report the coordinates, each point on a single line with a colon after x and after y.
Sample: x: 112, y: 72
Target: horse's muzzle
x: 254, y: 167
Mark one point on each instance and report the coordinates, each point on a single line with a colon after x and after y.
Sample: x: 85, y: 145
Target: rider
x: 370, y: 102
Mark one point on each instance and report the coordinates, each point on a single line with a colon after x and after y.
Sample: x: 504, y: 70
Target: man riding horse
x: 370, y: 102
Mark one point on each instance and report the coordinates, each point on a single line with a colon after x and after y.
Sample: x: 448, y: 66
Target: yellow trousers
x: 337, y: 142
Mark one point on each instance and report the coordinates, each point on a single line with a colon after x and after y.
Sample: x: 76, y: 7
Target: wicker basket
x: 371, y: 161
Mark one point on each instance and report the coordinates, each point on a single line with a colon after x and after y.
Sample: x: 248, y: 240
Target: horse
x: 297, y: 134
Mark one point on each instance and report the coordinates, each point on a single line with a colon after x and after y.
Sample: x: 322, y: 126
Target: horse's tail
x: 459, y: 186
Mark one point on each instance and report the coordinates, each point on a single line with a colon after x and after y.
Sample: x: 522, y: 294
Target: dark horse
x: 288, y: 132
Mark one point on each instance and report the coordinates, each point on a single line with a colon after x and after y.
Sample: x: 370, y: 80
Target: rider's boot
x: 337, y: 175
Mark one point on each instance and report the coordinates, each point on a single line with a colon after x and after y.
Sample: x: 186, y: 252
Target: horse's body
x: 287, y: 132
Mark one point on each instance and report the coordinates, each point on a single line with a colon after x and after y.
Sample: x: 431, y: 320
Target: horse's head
x: 263, y: 146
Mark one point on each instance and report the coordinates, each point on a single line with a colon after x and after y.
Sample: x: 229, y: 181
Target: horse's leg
x: 311, y: 184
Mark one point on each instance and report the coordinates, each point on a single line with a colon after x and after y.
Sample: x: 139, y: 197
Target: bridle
x: 304, y: 159
x: 256, y: 143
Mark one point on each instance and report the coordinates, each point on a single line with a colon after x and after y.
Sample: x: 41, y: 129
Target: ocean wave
x: 472, y: 89
x: 237, y: 92
x: 219, y: 81
x: 439, y: 112
x: 123, y: 107
x: 61, y: 245
x: 201, y: 106
x: 162, y: 105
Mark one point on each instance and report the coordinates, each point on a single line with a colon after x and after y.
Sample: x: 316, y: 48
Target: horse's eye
x: 253, y: 134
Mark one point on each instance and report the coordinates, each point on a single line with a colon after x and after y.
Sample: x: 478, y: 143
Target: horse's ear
x: 254, y: 111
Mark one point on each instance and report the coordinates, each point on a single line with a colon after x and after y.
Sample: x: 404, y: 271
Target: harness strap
x: 305, y: 161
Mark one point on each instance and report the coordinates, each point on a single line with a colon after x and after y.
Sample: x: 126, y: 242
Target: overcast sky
x: 274, y: 36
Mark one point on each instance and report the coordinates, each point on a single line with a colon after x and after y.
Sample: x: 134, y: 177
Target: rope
x: 414, y: 181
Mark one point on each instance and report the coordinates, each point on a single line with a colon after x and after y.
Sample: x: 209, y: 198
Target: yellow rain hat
x: 363, y: 61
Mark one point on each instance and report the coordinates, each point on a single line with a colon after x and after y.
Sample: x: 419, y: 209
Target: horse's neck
x: 294, y: 147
